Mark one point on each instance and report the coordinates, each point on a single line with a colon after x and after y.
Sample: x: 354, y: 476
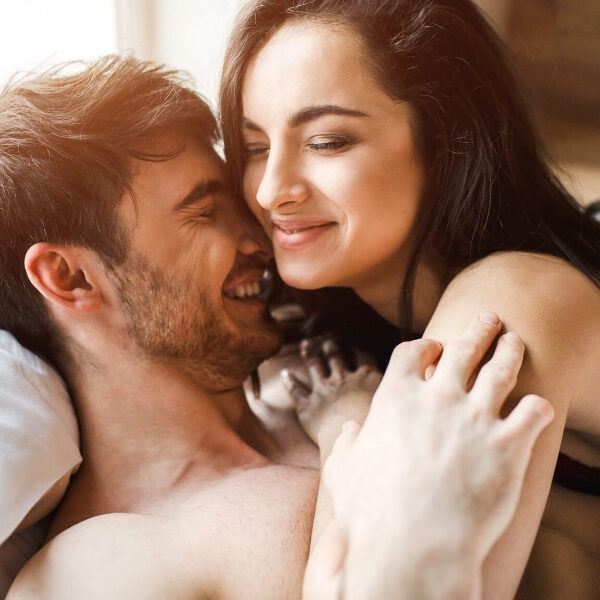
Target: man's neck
x: 150, y: 434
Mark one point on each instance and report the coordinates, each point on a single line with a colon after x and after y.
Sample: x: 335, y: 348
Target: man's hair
x: 66, y: 147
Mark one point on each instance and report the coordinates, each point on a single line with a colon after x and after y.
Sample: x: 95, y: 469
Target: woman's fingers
x: 528, y: 419
x: 333, y: 356
x: 462, y: 356
x: 310, y: 351
x: 297, y: 389
x: 498, y: 376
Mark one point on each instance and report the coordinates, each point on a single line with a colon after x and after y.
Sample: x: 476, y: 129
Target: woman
x: 384, y: 148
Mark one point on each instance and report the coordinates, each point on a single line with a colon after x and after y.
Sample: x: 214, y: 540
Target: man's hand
x: 425, y: 488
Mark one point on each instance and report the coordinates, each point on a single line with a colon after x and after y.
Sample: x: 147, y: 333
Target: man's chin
x: 264, y: 340
x: 240, y: 356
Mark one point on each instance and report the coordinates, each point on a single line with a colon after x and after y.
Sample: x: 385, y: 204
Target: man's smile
x: 254, y: 284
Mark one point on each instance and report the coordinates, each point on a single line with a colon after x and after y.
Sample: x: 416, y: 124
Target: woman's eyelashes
x: 330, y: 144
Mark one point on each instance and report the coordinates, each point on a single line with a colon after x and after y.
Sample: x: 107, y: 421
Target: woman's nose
x: 282, y: 186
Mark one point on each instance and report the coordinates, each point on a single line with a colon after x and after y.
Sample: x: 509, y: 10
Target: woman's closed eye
x: 331, y: 144
x: 325, y: 144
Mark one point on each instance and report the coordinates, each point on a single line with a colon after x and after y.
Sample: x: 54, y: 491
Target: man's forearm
x: 421, y: 569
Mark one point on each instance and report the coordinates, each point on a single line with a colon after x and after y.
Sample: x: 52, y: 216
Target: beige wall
x: 191, y: 34
x: 185, y: 34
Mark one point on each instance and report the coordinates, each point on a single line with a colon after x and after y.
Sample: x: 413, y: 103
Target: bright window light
x: 36, y: 34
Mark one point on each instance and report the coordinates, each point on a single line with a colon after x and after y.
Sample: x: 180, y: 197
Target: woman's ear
x: 64, y: 276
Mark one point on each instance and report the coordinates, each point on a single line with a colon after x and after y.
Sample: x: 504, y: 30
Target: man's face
x: 190, y: 286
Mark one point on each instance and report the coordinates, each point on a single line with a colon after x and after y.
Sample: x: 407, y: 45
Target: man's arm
x: 429, y: 483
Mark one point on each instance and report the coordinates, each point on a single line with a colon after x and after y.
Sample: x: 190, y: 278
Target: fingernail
x: 490, y: 318
x: 512, y: 338
x: 284, y: 373
x: 429, y: 371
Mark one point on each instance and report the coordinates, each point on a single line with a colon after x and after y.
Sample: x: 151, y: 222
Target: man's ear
x: 64, y: 275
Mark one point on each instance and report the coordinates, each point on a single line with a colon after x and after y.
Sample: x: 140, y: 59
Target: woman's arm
x: 427, y: 486
x: 556, y: 311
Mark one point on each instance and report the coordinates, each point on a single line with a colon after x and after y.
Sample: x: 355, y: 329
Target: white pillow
x: 39, y: 439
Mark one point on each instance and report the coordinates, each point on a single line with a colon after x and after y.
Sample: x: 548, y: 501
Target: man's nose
x: 252, y: 239
x: 282, y: 186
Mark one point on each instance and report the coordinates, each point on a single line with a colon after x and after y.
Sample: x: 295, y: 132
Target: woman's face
x: 332, y: 169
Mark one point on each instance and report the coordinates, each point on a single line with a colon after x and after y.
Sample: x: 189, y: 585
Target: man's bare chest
x: 249, y: 535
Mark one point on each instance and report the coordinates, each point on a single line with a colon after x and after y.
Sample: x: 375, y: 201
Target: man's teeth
x: 248, y: 290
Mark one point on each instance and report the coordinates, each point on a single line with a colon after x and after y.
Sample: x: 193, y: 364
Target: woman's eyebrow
x: 310, y: 113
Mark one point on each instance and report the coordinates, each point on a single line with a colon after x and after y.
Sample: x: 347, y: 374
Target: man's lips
x: 292, y: 235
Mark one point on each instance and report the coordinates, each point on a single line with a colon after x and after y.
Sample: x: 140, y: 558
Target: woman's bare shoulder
x: 524, y: 283
x: 553, y: 306
x: 529, y: 271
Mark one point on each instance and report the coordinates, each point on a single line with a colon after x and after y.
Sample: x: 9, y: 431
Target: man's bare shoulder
x: 245, y: 536
x: 117, y: 556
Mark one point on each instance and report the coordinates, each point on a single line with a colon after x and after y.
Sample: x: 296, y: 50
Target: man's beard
x: 175, y: 323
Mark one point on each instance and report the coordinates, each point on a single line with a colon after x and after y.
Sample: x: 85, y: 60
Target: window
x: 36, y: 34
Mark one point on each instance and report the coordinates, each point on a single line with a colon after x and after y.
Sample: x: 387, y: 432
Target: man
x: 142, y: 282
x: 146, y: 295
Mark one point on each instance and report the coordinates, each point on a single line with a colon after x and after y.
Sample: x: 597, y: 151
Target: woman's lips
x: 293, y: 235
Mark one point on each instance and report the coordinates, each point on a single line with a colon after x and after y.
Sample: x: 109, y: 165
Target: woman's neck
x: 382, y: 292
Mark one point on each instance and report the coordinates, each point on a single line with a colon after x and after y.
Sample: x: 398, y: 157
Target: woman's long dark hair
x: 488, y: 187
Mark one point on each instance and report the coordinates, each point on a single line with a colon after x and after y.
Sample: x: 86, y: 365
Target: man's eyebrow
x: 310, y: 113
x: 198, y: 192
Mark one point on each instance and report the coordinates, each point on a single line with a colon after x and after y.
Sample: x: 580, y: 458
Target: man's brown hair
x: 66, y: 144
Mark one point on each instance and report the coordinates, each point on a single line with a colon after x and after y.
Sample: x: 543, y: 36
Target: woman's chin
x: 305, y: 279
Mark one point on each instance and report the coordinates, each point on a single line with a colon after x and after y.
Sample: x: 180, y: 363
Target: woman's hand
x: 267, y: 384
x: 334, y: 394
x: 424, y: 489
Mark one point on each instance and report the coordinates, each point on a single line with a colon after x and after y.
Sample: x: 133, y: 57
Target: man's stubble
x: 173, y: 321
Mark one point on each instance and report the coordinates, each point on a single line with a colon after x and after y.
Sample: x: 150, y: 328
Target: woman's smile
x: 297, y: 234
